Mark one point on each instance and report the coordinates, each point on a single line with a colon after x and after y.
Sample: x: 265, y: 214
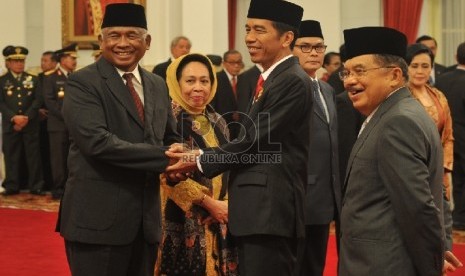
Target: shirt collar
x: 135, y: 72
x: 374, y: 111
x: 229, y: 75
x: 65, y: 72
x: 268, y: 72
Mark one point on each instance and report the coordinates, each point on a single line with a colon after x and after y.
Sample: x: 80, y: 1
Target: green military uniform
x: 54, y: 83
x: 19, y: 96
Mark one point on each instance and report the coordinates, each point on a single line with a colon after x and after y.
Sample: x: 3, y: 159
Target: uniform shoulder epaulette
x: 32, y: 74
x: 49, y: 72
x: 4, y: 73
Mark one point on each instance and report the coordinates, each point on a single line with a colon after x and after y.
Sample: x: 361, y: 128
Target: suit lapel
x: 149, y: 96
x: 256, y: 107
x: 228, y: 90
x: 383, y: 108
x: 117, y: 87
x: 269, y: 81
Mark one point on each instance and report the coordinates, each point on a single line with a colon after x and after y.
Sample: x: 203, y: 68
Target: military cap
x: 277, y: 11
x: 96, y: 49
x: 70, y: 50
x: 15, y: 52
x: 310, y: 28
x: 374, y: 40
x: 124, y: 15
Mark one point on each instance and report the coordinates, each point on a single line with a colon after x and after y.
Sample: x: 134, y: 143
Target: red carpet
x: 29, y: 246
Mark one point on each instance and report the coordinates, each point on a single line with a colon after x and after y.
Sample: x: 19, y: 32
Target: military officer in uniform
x: 96, y: 51
x: 48, y: 62
x: 19, y: 105
x: 54, y: 92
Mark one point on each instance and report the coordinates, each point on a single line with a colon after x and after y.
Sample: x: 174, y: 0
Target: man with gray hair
x: 180, y: 46
x: 119, y: 120
x: 391, y: 215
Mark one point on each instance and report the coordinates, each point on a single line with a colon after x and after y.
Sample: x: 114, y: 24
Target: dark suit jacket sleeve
x: 418, y: 217
x: 86, y: 113
x: 160, y: 69
x: 285, y: 102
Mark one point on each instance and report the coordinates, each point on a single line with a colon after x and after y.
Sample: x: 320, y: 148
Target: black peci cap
x: 124, y: 15
x: 310, y: 28
x: 278, y: 11
x: 374, y: 40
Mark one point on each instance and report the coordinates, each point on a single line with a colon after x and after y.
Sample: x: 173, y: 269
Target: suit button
x: 19, y: 95
x: 20, y: 103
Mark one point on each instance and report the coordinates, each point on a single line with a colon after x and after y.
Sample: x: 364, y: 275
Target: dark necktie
x: 139, y: 106
x: 258, y: 89
x: 234, y: 85
x: 317, y: 98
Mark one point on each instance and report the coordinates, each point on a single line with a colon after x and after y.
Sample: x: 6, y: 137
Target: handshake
x: 182, y: 162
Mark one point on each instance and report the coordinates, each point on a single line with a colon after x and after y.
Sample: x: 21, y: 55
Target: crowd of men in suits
x: 307, y: 196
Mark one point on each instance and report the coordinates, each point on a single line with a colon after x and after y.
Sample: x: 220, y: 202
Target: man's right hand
x: 451, y: 263
x: 176, y: 176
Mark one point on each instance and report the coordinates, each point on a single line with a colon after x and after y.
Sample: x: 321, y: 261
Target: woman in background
x: 331, y: 62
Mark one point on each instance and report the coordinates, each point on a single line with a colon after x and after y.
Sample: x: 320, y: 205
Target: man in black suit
x: 180, y: 45
x: 432, y: 44
x: 119, y: 120
x: 266, y: 210
x: 323, y: 190
x: 334, y: 79
x: 227, y: 94
x: 452, y: 85
x: 19, y: 104
x: 54, y: 92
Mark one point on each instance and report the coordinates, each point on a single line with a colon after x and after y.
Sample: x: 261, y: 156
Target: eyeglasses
x: 307, y: 48
x: 239, y: 63
x: 359, y: 72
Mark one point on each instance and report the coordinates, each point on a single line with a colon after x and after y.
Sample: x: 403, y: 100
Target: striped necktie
x: 139, y: 106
